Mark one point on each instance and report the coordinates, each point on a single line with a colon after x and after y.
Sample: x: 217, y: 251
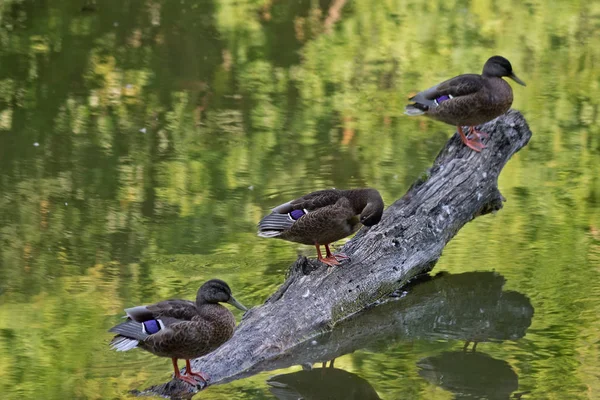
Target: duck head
x: 217, y: 291
x: 373, y: 210
x: 499, y: 66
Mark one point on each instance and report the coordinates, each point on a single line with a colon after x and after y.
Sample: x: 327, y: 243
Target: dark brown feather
x: 191, y: 329
x: 332, y: 214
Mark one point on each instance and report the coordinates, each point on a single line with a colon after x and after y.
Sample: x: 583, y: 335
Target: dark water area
x: 142, y: 141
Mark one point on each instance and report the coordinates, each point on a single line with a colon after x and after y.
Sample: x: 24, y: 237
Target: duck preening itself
x: 322, y: 217
x: 180, y: 328
x: 469, y: 100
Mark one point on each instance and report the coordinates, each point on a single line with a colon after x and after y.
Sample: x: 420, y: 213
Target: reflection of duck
x: 322, y: 217
x: 469, y: 99
x: 180, y: 328
x: 321, y: 384
x: 470, y: 375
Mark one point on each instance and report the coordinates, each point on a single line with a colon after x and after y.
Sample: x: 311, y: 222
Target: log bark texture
x: 461, y: 185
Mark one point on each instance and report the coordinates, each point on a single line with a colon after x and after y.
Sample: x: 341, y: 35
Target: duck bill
x: 516, y: 79
x: 236, y: 303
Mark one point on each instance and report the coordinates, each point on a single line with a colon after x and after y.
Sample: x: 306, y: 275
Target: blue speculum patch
x: 443, y: 98
x: 296, y: 214
x: 151, y: 327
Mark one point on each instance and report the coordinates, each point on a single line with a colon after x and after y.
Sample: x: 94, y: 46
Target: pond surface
x: 142, y: 141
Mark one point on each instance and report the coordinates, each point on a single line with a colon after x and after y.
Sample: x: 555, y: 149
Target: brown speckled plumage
x: 211, y: 326
x: 180, y: 329
x: 485, y: 99
x: 469, y: 99
x: 324, y: 217
x: 332, y: 214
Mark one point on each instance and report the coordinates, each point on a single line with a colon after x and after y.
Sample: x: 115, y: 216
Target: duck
x: 469, y: 100
x: 322, y: 217
x: 180, y: 329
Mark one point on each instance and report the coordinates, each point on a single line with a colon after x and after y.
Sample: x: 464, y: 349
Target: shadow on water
x: 470, y: 307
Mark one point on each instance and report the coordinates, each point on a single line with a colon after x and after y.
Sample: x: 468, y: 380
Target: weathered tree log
x: 470, y: 307
x: 460, y: 186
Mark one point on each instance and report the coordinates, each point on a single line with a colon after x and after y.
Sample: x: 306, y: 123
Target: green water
x: 141, y: 142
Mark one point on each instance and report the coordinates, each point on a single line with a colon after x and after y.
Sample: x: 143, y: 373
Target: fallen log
x: 460, y: 186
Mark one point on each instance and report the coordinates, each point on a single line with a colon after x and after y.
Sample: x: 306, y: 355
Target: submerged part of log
x: 461, y: 185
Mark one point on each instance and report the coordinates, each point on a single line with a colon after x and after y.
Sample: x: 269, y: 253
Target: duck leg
x: 330, y: 260
x: 474, y: 144
x: 185, y: 378
x: 188, y: 371
x: 478, y: 134
x: 338, y: 256
x: 466, y: 346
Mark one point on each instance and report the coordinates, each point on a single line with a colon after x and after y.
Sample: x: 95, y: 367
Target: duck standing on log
x: 180, y: 328
x: 469, y: 100
x: 322, y: 217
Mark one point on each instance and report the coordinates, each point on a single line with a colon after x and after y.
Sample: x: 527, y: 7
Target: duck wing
x: 179, y: 309
x: 286, y: 215
x: 311, y: 201
x: 186, y: 339
x: 131, y: 332
x: 326, y: 217
x: 461, y: 85
x: 324, y: 224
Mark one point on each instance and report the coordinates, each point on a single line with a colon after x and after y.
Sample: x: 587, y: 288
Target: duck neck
x: 360, y: 198
x: 212, y: 311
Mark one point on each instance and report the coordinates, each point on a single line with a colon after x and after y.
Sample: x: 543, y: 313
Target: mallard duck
x: 180, y: 328
x: 322, y: 217
x: 469, y: 100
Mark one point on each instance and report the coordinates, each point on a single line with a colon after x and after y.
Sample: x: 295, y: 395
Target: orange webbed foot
x: 341, y: 256
x: 189, y: 380
x: 474, y: 144
x: 475, y: 133
x: 331, y: 261
x: 188, y: 371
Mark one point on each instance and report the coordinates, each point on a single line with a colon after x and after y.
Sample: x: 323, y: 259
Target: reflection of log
x: 469, y: 306
x: 322, y: 384
x: 461, y: 185
x: 470, y: 375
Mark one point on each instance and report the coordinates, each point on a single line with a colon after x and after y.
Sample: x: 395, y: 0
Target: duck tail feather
x: 269, y: 234
x: 122, y: 343
x: 283, y: 208
x: 415, y: 109
x: 139, y: 313
x: 130, y: 329
x: 275, y: 222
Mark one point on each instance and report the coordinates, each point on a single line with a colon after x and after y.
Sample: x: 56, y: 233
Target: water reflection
x: 470, y: 307
x: 470, y: 375
x: 130, y: 137
x: 321, y: 383
x: 467, y: 307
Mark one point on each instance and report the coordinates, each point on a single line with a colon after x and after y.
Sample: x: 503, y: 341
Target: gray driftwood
x: 460, y: 186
